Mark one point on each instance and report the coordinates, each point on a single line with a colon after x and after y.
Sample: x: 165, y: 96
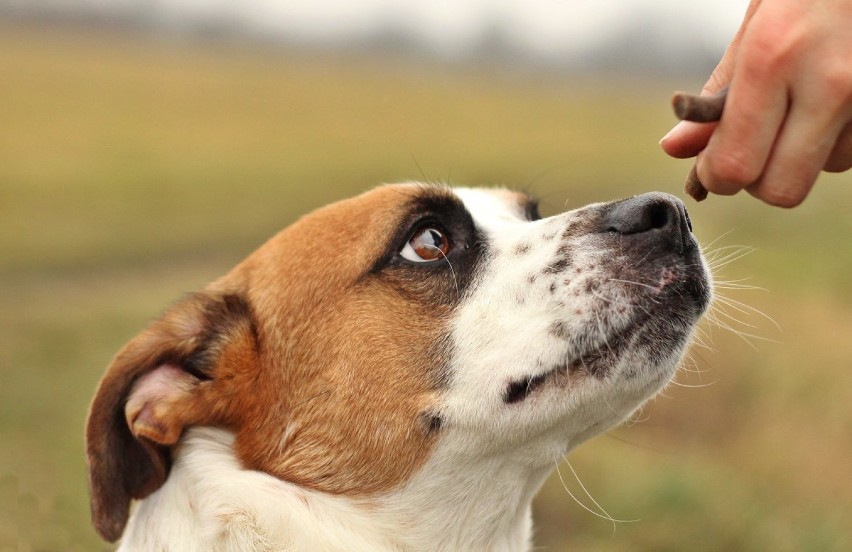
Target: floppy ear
x: 161, y: 382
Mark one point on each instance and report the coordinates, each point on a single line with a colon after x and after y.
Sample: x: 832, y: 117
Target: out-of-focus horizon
x: 648, y: 36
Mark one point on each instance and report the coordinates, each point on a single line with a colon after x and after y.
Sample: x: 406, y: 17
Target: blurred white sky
x: 545, y: 28
x: 542, y: 26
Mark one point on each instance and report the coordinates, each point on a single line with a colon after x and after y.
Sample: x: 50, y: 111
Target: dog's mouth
x: 520, y: 389
x: 595, y: 363
x: 599, y: 360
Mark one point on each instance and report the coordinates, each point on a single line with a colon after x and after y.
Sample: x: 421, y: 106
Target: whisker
x: 693, y: 386
x: 722, y: 248
x: 710, y: 244
x: 717, y: 261
x: 647, y: 254
x: 605, y: 515
x: 419, y: 168
x: 611, y: 409
x: 745, y: 336
x: 702, y: 339
x: 652, y: 288
x: 610, y: 300
x: 734, y: 286
x: 452, y: 270
x: 746, y: 309
x: 721, y: 312
x: 631, y: 443
x: 639, y: 417
x: 604, y: 333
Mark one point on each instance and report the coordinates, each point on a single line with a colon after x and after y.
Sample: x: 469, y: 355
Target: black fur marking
x: 223, y: 315
x: 531, y: 209
x: 432, y: 423
x: 521, y: 389
x: 443, y: 281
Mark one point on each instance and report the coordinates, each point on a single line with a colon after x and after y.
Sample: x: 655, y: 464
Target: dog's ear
x: 173, y: 375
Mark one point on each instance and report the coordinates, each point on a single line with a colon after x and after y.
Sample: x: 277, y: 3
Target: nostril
x: 659, y: 215
x: 645, y: 213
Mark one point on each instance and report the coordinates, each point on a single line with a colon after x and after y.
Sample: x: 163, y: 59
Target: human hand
x: 788, y: 114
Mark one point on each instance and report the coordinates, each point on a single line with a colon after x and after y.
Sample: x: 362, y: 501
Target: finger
x: 802, y: 149
x: 840, y: 159
x: 738, y: 150
x: 687, y: 139
x: 699, y: 161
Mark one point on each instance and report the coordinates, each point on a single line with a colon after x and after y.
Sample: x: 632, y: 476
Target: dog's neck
x: 210, y: 503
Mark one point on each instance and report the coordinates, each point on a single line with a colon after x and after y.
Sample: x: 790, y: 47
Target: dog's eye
x: 428, y: 243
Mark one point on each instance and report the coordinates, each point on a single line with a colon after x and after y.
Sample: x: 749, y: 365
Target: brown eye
x: 427, y: 244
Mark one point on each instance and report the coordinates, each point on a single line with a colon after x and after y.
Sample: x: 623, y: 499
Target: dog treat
x: 698, y: 109
x: 693, y: 186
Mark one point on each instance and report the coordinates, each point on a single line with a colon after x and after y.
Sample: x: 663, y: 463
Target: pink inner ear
x: 154, y: 406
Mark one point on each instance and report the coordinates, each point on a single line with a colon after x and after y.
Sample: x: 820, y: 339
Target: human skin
x: 788, y: 114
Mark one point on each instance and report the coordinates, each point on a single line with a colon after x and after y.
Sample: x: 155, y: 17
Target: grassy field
x: 133, y: 170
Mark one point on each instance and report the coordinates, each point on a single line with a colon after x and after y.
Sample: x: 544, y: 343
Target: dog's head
x: 408, y: 324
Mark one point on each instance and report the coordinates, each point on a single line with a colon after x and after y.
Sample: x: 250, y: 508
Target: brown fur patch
x: 321, y: 364
x: 348, y: 363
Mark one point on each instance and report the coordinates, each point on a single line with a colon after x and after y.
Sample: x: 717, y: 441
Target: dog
x: 396, y: 371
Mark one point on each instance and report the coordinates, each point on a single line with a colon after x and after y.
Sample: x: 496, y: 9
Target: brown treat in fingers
x: 694, y: 187
x: 698, y: 109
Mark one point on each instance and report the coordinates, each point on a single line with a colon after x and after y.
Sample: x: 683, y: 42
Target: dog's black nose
x: 655, y: 213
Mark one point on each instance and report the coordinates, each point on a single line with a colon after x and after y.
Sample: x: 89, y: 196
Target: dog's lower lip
x: 595, y: 362
x: 519, y: 390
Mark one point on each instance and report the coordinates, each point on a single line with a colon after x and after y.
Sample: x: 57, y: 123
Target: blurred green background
x: 134, y: 170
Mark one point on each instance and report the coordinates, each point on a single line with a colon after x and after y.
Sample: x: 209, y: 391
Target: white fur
x: 210, y: 503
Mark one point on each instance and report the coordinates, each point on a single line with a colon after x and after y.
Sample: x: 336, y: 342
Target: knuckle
x: 777, y: 47
x: 769, y: 57
x: 837, y: 82
x: 719, y: 79
x: 730, y: 170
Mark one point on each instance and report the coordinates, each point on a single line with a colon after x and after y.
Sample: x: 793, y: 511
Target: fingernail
x: 674, y: 131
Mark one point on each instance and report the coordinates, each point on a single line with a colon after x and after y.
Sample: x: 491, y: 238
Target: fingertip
x: 673, y: 133
x: 687, y: 139
x: 840, y: 159
x: 785, y: 199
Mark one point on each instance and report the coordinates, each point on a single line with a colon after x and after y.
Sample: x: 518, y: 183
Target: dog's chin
x: 641, y: 353
x: 621, y: 361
